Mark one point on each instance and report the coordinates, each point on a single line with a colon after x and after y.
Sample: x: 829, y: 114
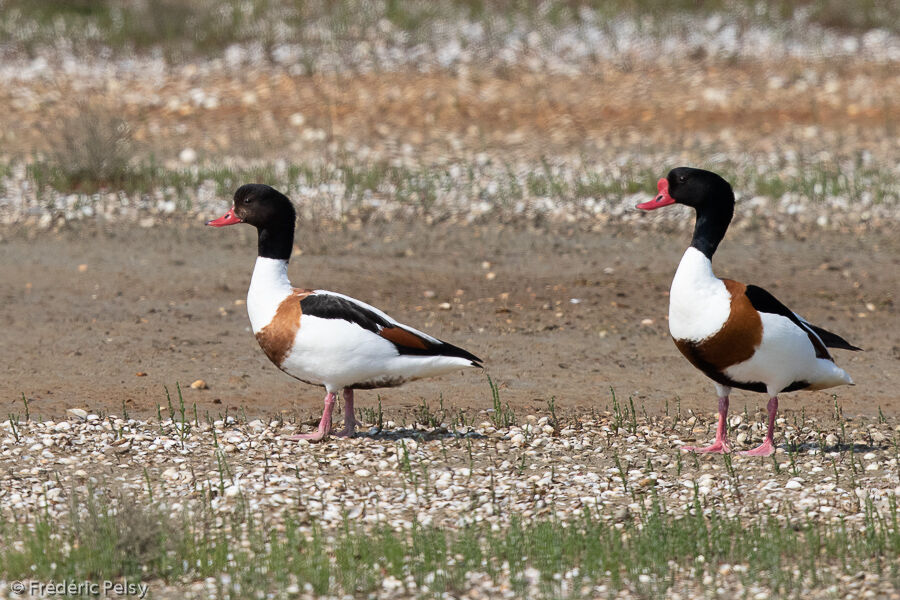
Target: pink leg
x: 720, y: 446
x: 324, y: 425
x: 349, y: 416
x: 768, y: 446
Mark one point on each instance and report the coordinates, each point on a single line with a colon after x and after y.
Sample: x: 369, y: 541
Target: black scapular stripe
x: 327, y: 306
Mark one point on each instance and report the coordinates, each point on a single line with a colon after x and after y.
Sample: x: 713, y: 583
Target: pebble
x: 79, y: 413
x: 188, y: 156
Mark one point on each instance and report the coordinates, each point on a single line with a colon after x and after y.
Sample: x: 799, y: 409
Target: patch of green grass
x: 502, y: 415
x: 857, y: 183
x: 89, y: 161
x: 113, y: 536
x: 595, y: 185
x: 93, y: 150
x: 374, y: 416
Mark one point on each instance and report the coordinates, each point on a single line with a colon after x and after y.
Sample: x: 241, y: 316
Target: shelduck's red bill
x: 228, y: 218
x: 662, y: 197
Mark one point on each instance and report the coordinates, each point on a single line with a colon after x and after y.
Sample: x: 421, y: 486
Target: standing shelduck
x: 324, y: 338
x: 739, y: 335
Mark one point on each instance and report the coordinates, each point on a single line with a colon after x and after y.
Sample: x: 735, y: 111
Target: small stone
x: 188, y: 156
x: 120, y: 446
x: 199, y: 385
x: 82, y: 268
x: 444, y: 306
x: 444, y: 481
x: 78, y: 413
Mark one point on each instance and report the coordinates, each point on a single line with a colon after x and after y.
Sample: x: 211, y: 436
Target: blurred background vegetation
x: 180, y: 29
x: 505, y: 102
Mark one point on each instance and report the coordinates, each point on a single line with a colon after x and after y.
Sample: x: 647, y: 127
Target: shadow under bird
x: 739, y: 335
x: 321, y: 337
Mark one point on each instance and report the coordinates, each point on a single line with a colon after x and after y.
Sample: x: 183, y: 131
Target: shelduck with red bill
x: 321, y: 337
x: 739, y: 335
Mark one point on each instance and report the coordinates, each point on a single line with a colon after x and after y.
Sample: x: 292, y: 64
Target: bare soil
x: 103, y: 319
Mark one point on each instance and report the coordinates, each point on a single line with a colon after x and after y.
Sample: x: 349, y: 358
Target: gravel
x: 457, y: 476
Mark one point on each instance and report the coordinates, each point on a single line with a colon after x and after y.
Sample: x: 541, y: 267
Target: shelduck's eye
x: 682, y: 178
x: 248, y: 200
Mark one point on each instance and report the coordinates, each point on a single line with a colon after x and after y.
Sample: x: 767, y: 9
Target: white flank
x: 699, y: 303
x: 269, y: 286
x: 784, y: 356
x: 337, y: 353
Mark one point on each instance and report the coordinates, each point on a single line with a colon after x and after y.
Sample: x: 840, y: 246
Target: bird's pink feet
x: 766, y: 449
x: 316, y: 436
x: 324, y: 424
x: 768, y: 446
x: 718, y: 447
x: 349, y: 428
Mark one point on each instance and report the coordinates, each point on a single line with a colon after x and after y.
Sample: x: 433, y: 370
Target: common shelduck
x: 739, y: 335
x: 324, y: 338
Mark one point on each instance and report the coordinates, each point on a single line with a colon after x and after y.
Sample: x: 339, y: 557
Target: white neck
x: 699, y: 303
x: 268, y: 287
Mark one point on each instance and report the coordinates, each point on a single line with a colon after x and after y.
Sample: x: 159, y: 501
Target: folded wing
x: 329, y: 305
x: 821, y: 339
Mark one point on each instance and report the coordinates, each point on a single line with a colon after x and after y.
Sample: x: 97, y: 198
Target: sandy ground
x: 99, y: 319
